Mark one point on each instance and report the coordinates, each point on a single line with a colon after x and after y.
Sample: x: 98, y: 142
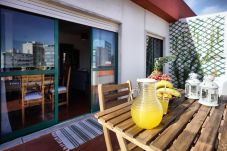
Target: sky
x: 203, y: 7
x: 24, y: 27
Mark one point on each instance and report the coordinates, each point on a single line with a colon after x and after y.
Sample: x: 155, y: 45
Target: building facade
x: 131, y: 21
x: 37, y: 51
x: 118, y: 54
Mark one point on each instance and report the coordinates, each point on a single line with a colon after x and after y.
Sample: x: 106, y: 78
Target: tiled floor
x: 47, y: 143
x: 40, y: 134
x: 43, y: 143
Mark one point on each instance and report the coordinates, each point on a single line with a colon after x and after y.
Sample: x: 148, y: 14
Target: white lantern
x: 208, y: 92
x: 192, y: 86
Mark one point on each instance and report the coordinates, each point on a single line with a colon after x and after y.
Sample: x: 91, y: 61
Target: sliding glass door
x: 28, y: 72
x: 103, y: 62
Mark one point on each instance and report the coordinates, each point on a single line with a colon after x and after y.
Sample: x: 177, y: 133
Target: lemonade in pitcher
x: 146, y: 109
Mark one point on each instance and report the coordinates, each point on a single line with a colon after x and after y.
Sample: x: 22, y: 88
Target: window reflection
x: 25, y: 100
x: 27, y: 41
x: 103, y: 48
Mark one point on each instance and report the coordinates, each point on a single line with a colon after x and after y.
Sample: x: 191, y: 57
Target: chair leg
x: 67, y: 98
x: 122, y: 143
x: 107, y: 139
x: 43, y: 108
x: 23, y: 121
x: 52, y: 101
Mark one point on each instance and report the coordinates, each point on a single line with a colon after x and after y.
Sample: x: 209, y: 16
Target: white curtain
x: 5, y: 124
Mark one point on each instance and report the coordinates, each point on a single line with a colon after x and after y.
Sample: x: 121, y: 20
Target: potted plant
x: 164, y: 88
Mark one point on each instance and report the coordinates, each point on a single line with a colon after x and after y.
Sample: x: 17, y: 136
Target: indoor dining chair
x: 63, y: 88
x: 32, y: 92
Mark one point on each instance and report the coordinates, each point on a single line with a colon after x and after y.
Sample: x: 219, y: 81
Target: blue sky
x: 203, y: 7
x: 24, y: 27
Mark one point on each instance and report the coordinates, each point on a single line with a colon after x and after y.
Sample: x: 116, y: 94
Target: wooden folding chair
x: 110, y: 96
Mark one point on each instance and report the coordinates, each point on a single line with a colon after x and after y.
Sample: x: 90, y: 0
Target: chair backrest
x: 66, y: 76
x: 31, y: 82
x: 114, y: 94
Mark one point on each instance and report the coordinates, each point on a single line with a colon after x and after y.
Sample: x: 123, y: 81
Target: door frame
x: 43, y: 124
x: 115, y: 68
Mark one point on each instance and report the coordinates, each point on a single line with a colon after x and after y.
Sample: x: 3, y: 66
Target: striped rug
x: 74, y: 135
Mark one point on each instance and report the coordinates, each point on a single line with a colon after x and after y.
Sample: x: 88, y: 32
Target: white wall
x: 111, y: 9
x: 133, y: 20
x: 132, y: 49
x: 157, y: 26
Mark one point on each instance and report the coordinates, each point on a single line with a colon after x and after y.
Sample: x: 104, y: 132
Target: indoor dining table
x: 188, y: 125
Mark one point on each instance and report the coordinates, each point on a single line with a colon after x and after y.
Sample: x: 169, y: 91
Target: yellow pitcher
x: 146, y: 109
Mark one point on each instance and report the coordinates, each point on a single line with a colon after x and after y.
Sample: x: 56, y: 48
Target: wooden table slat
x: 131, y: 146
x: 125, y: 125
x: 175, y: 102
x: 190, y: 131
x: 115, y: 114
x: 208, y: 118
x: 187, y: 126
x: 133, y: 131
x: 169, y: 134
x: 113, y: 109
x: 207, y: 139
x: 137, y: 149
x: 135, y: 141
x: 146, y: 136
x: 223, y: 141
x: 119, y: 119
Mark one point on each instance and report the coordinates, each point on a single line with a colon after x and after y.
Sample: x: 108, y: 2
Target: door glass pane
x: 103, y: 77
x: 103, y: 48
x: 100, y: 77
x: 27, y: 41
x: 103, y: 62
x: 25, y: 101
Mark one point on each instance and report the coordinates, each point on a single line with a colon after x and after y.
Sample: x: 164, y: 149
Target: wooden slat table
x: 187, y: 126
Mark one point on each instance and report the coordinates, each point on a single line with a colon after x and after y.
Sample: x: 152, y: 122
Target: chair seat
x: 60, y: 89
x: 33, y: 96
